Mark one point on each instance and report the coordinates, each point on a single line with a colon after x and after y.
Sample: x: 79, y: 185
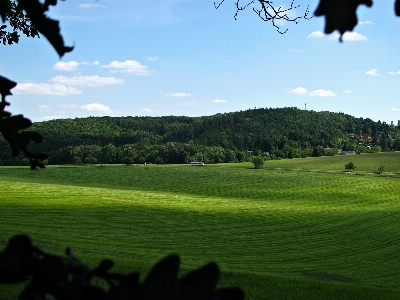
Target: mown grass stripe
x: 268, y: 223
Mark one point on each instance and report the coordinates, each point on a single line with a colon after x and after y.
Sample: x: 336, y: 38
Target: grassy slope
x: 266, y: 229
x: 363, y: 162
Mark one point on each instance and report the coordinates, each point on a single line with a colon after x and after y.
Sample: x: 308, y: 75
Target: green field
x: 365, y: 163
x: 282, y: 233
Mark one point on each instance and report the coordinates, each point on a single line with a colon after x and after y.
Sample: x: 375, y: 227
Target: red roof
x: 366, y: 137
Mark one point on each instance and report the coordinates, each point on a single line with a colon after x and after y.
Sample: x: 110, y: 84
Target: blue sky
x: 186, y: 58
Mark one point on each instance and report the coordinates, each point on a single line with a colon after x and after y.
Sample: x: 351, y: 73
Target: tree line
x: 228, y: 137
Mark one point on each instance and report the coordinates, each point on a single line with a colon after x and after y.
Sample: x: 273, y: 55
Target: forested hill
x: 282, y: 132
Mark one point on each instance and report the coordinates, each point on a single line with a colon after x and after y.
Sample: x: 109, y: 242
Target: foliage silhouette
x: 268, y: 12
x: 11, y: 126
x: 18, y: 21
x: 339, y: 14
x: 69, y: 278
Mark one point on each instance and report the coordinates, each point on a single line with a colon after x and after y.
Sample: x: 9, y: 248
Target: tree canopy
x: 230, y: 137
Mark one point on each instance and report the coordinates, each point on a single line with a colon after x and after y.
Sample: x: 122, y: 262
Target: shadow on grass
x: 329, y: 277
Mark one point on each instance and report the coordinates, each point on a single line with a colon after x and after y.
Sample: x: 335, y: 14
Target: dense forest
x: 229, y: 137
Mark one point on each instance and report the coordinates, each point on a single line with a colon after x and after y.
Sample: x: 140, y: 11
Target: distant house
x: 197, y: 163
x: 347, y: 152
x: 367, y: 137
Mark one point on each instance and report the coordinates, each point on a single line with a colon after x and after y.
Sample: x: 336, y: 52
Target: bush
x: 380, y: 169
x: 91, y: 160
x: 158, y: 160
x: 127, y: 160
x: 350, y: 166
x: 258, y: 162
x: 376, y: 149
x: 77, y: 160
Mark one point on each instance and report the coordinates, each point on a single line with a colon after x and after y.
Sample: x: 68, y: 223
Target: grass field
x: 279, y: 234
x: 364, y: 162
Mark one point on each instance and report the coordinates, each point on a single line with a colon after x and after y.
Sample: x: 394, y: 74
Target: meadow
x: 280, y: 232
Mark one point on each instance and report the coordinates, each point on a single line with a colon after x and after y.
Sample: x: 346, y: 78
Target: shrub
x: 380, y: 169
x: 258, y: 162
x: 91, y: 160
x: 77, y: 160
x: 350, y: 166
x: 158, y: 160
x: 127, y: 160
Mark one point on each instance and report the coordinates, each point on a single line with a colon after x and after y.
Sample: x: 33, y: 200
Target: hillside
x: 282, y: 132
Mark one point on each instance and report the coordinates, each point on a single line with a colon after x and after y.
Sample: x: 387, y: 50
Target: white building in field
x: 196, y: 163
x: 347, y: 152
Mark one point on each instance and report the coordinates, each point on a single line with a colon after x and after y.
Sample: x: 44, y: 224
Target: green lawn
x: 280, y: 234
x: 363, y: 162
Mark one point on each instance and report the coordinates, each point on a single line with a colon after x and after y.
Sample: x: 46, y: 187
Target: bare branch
x: 268, y: 12
x: 217, y: 6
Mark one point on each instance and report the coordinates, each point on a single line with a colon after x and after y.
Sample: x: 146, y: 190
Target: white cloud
x: 95, y: 63
x: 152, y: 58
x: 128, y: 66
x: 218, y: 101
x: 394, y: 109
x: 86, y: 5
x: 176, y: 94
x: 372, y: 72
x: 392, y: 73
x: 322, y: 93
x: 90, y: 81
x: 31, y: 88
x: 96, y: 107
x: 298, y: 91
x: 316, y: 35
x: 365, y: 22
x: 66, y: 66
x: 147, y: 110
x: 354, y: 36
x: 347, y: 36
x: 348, y: 92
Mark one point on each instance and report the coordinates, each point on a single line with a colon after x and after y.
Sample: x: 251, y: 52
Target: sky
x: 187, y: 58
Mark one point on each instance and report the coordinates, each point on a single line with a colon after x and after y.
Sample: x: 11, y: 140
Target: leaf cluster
x: 68, y: 278
x: 28, y: 16
x: 12, y: 128
x: 18, y: 21
x: 339, y: 15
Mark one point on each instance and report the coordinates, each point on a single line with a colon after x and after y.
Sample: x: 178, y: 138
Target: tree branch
x: 268, y: 12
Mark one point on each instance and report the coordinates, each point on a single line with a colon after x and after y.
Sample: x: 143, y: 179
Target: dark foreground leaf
x: 340, y: 14
x: 46, y: 26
